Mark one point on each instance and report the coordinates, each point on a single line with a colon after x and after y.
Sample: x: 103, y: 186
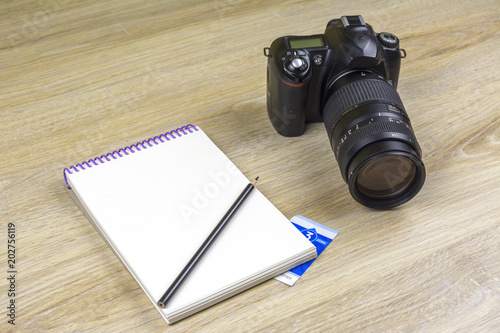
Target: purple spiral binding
x: 130, y: 149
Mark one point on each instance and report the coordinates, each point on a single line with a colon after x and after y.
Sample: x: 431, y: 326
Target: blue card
x: 317, y: 234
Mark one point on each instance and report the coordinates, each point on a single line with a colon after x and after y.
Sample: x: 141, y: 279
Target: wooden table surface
x: 81, y: 78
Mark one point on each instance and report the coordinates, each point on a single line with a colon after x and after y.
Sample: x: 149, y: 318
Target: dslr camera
x: 347, y: 78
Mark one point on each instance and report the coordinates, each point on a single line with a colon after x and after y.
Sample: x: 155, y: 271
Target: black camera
x: 347, y: 78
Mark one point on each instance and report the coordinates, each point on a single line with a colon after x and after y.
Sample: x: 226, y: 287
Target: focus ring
x: 355, y: 93
x: 384, y: 130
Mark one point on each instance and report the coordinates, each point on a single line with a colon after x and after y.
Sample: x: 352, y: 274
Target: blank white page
x: 156, y: 206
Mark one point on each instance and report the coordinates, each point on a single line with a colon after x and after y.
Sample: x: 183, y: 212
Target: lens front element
x: 386, y: 176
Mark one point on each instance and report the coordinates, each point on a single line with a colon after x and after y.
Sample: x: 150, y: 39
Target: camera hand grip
x: 285, y: 107
x: 287, y: 84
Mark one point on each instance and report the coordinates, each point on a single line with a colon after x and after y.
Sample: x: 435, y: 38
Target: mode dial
x: 388, y: 39
x: 296, y: 63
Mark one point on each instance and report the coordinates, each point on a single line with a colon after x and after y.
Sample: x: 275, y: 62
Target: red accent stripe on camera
x: 295, y: 85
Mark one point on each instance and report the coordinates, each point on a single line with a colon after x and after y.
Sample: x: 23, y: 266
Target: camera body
x: 302, y: 70
x: 347, y: 78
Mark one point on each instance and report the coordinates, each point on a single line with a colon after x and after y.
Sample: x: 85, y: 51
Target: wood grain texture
x: 81, y: 78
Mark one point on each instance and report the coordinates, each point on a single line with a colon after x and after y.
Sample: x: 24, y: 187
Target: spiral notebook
x: 155, y: 202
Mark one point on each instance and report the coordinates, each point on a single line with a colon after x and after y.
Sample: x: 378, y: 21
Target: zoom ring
x: 384, y: 130
x: 356, y: 93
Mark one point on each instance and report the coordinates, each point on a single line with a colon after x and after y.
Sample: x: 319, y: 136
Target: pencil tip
x: 257, y: 178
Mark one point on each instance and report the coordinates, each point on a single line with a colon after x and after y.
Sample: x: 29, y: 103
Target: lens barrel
x: 373, y: 141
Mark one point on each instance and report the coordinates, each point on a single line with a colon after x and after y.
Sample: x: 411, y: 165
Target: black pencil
x: 206, y: 244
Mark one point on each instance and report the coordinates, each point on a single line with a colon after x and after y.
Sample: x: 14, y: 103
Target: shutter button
x: 297, y: 62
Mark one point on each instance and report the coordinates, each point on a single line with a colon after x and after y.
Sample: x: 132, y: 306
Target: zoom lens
x: 373, y: 141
